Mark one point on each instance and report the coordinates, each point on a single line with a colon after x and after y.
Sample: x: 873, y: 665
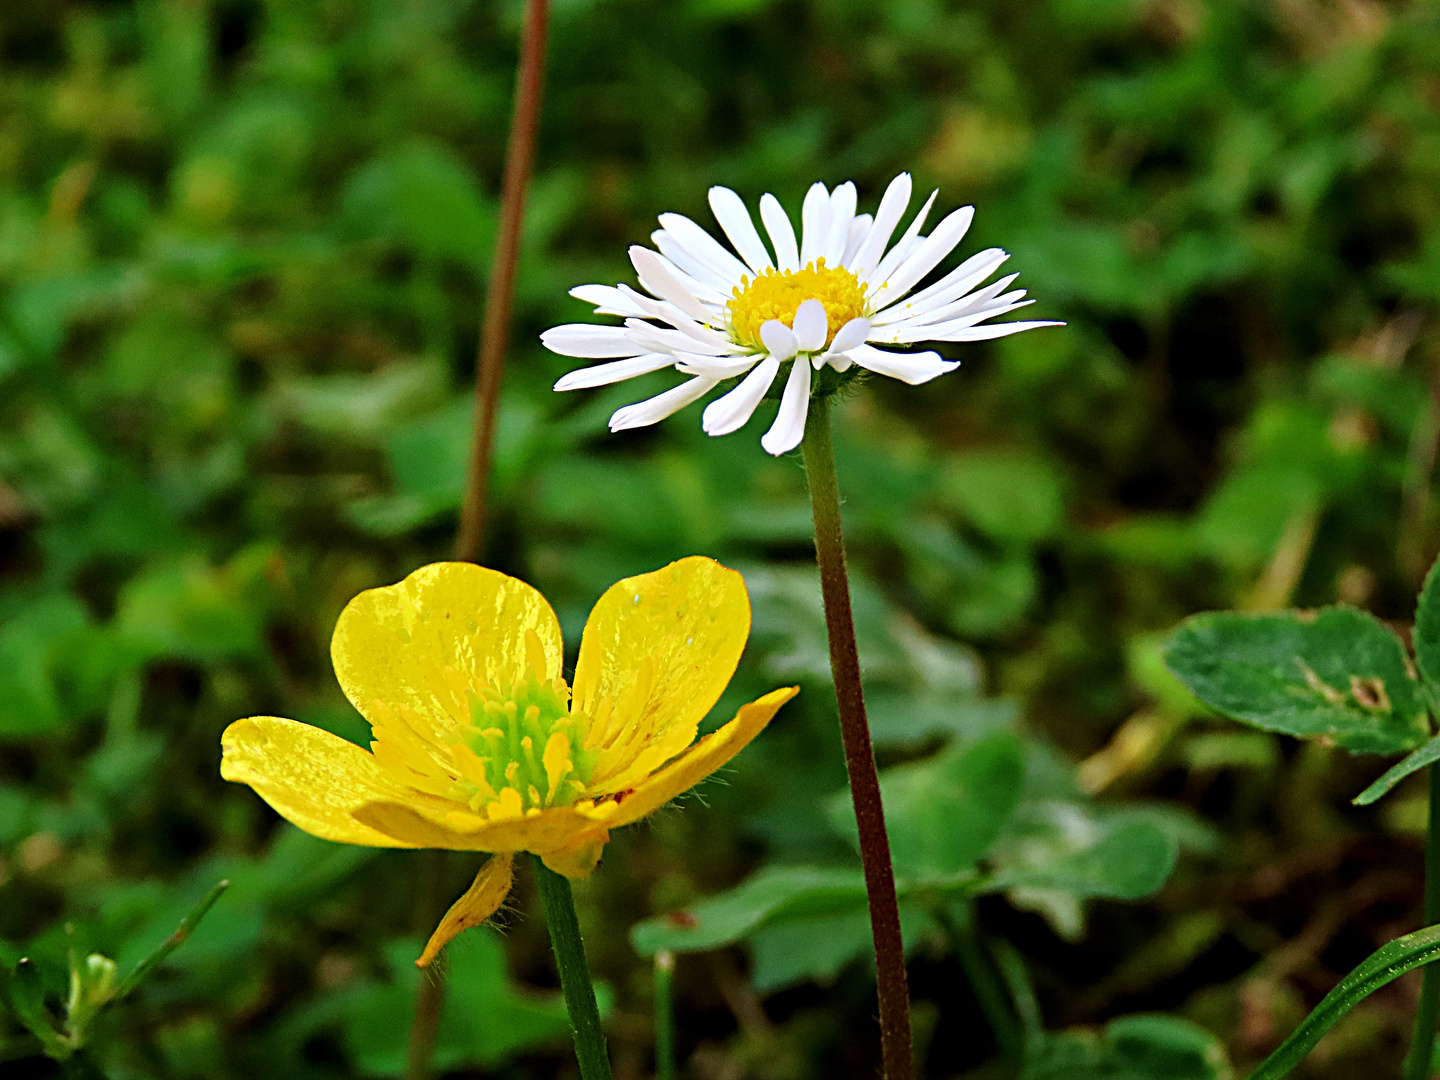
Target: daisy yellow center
x: 775, y: 295
x: 523, y: 749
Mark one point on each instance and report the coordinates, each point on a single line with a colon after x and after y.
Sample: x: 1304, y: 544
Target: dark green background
x: 243, y: 247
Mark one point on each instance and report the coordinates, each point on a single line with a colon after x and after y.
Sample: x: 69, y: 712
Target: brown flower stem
x: 894, y: 995
x: 424, y: 1028
x: 490, y: 368
x: 500, y: 296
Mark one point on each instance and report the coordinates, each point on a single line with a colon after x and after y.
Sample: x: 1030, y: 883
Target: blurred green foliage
x: 243, y: 245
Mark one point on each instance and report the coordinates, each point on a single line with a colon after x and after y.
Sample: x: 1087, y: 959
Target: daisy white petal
x: 892, y: 208
x: 906, y: 334
x: 715, y: 367
x: 912, y: 368
x: 701, y: 275
x: 615, y: 371
x: 665, y: 312
x: 730, y: 212
x: 842, y: 212
x: 810, y: 326
x: 661, y: 283
x: 608, y: 300
x: 814, y: 224
x: 590, y: 341
x: 789, y: 426
x: 903, y: 247
x: 779, y: 339
x: 996, y: 330
x: 653, y: 410
x: 782, y: 233
x: 985, y: 298
x: 704, y: 247
x: 926, y: 257
x: 851, y: 334
x: 839, y: 361
x: 662, y: 339
x: 860, y: 227
x: 949, y: 289
x: 733, y: 411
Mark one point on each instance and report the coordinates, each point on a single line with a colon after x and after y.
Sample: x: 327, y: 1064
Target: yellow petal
x: 702, y: 759
x: 578, y: 860
x: 681, y: 630
x: 434, y: 826
x: 484, y: 897
x: 414, y: 648
x: 312, y: 778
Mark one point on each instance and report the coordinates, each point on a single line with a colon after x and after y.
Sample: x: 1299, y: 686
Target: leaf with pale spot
x: 1335, y: 673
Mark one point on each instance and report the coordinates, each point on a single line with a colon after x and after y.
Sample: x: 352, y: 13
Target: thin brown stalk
x: 893, y: 991
x: 490, y: 369
x: 495, y: 333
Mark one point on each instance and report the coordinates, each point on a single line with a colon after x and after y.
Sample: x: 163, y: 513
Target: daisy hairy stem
x: 490, y: 368
x: 1422, y: 1045
x: 894, y: 994
x: 559, y: 904
x: 500, y: 296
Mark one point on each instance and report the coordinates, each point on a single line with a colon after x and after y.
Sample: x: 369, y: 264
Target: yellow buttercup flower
x: 480, y: 745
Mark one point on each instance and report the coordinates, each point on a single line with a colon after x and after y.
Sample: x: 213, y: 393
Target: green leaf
x: 1246, y: 516
x: 790, y: 951
x: 1147, y: 1046
x: 774, y: 892
x: 191, y: 610
x: 32, y: 647
x: 1006, y: 495
x: 944, y: 813
x: 1128, y: 860
x: 795, y: 950
x: 1384, y: 965
x: 485, y: 1018
x: 1426, y: 636
x: 1336, y: 672
x: 1426, y: 755
x: 422, y: 195
x: 25, y: 990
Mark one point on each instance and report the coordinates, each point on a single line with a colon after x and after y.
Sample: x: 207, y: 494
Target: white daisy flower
x: 829, y: 302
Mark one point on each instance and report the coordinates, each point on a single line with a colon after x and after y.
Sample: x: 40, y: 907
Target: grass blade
x: 1385, y: 964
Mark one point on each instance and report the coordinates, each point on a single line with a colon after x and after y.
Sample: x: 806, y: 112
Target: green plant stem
x: 990, y: 991
x: 559, y: 904
x: 664, y: 1015
x: 1422, y: 1046
x: 489, y: 370
x: 892, y: 990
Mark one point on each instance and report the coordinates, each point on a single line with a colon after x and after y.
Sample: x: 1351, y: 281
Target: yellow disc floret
x: 776, y: 295
x: 524, y: 748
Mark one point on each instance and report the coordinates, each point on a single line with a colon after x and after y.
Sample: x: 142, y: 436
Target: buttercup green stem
x: 664, y: 1015
x: 891, y: 986
x: 559, y: 904
x: 1422, y: 1045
